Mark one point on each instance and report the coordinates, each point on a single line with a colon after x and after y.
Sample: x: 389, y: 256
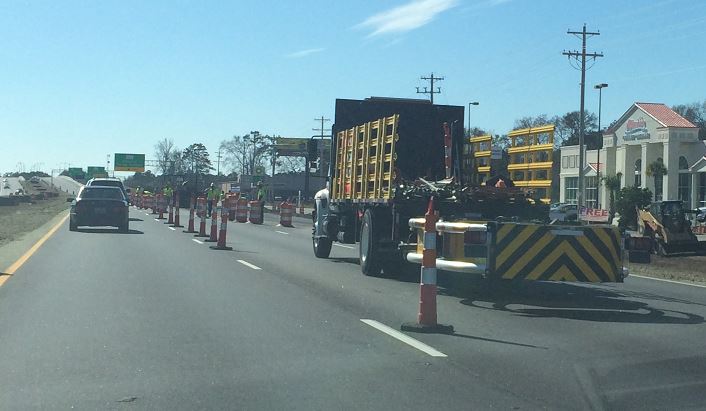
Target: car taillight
x: 475, y: 237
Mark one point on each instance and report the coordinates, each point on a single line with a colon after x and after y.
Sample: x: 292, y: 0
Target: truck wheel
x: 369, y: 252
x: 322, y: 247
x: 72, y: 226
x: 125, y: 227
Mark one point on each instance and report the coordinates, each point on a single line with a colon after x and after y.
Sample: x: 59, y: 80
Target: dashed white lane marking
x: 247, y: 264
x: 281, y: 232
x: 196, y: 241
x: 172, y: 228
x: 156, y: 219
x: 667, y: 281
x: 344, y: 246
x: 404, y: 338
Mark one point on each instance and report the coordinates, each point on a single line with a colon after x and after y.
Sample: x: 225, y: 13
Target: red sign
x: 594, y: 214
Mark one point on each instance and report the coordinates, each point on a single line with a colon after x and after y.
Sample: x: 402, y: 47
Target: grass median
x: 17, y: 220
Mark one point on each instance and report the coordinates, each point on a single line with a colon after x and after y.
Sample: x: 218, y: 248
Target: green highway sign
x: 95, y: 171
x: 76, y: 172
x: 129, y: 162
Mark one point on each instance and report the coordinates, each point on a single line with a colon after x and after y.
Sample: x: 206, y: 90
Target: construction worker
x: 211, y: 197
x: 169, y: 194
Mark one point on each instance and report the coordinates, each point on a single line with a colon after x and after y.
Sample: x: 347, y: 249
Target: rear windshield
x: 107, y: 183
x: 110, y: 194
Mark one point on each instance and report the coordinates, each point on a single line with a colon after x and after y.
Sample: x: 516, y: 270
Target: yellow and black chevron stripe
x: 555, y: 253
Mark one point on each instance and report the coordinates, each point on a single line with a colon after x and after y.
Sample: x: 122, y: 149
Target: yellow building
x: 530, y: 164
x: 481, y: 146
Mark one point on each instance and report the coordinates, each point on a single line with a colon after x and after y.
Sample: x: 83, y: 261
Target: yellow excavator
x: 666, y: 223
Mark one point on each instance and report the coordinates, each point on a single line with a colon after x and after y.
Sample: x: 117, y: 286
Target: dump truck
x: 389, y: 157
x: 666, y: 223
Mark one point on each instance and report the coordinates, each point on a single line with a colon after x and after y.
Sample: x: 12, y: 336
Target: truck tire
x: 72, y: 226
x: 370, y: 263
x: 322, y: 247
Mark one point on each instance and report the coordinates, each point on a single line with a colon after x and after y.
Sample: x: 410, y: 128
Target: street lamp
x: 600, y: 88
x: 470, y: 152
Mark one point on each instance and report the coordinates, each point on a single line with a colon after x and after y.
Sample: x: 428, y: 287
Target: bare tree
x: 695, y: 113
x: 245, y: 153
x: 164, y: 152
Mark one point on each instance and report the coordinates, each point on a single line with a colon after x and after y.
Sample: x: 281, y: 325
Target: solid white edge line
x: 667, y: 281
x: 281, y: 232
x: 196, y: 241
x: 253, y: 266
x: 404, y: 338
x: 344, y: 246
x: 172, y: 228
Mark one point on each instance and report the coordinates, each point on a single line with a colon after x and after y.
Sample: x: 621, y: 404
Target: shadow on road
x: 136, y: 219
x: 107, y: 231
x: 563, y: 300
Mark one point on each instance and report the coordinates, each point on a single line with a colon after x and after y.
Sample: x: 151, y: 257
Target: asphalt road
x: 155, y: 320
x: 10, y: 186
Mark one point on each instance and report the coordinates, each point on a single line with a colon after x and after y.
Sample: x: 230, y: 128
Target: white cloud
x: 304, y: 53
x: 407, y: 17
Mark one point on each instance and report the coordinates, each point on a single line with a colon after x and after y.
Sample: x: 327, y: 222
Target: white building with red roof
x: 646, y: 133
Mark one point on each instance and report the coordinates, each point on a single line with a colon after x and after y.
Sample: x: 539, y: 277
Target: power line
x: 431, y: 90
x: 581, y: 57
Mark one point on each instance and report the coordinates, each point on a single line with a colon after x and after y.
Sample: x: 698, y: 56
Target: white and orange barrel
x: 255, y: 212
x: 286, y: 211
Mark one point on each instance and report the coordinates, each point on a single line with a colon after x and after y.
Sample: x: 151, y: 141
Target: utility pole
x: 218, y: 163
x: 600, y: 88
x: 321, y: 147
x: 431, y: 90
x: 581, y: 57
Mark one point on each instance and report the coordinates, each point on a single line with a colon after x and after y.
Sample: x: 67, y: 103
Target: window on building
x: 685, y: 188
x: 518, y: 158
x: 571, y: 188
x: 702, y: 190
x: 564, y: 161
x: 542, y: 156
x: 543, y: 138
x: 572, y: 161
x: 683, y: 164
x: 591, y: 192
x: 518, y: 175
x: 540, y: 175
x: 638, y: 173
x: 483, y: 161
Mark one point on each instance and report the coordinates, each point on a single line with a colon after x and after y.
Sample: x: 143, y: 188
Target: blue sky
x: 82, y: 79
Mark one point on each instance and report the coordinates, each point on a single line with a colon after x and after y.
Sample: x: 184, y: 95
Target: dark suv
x: 108, y: 182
